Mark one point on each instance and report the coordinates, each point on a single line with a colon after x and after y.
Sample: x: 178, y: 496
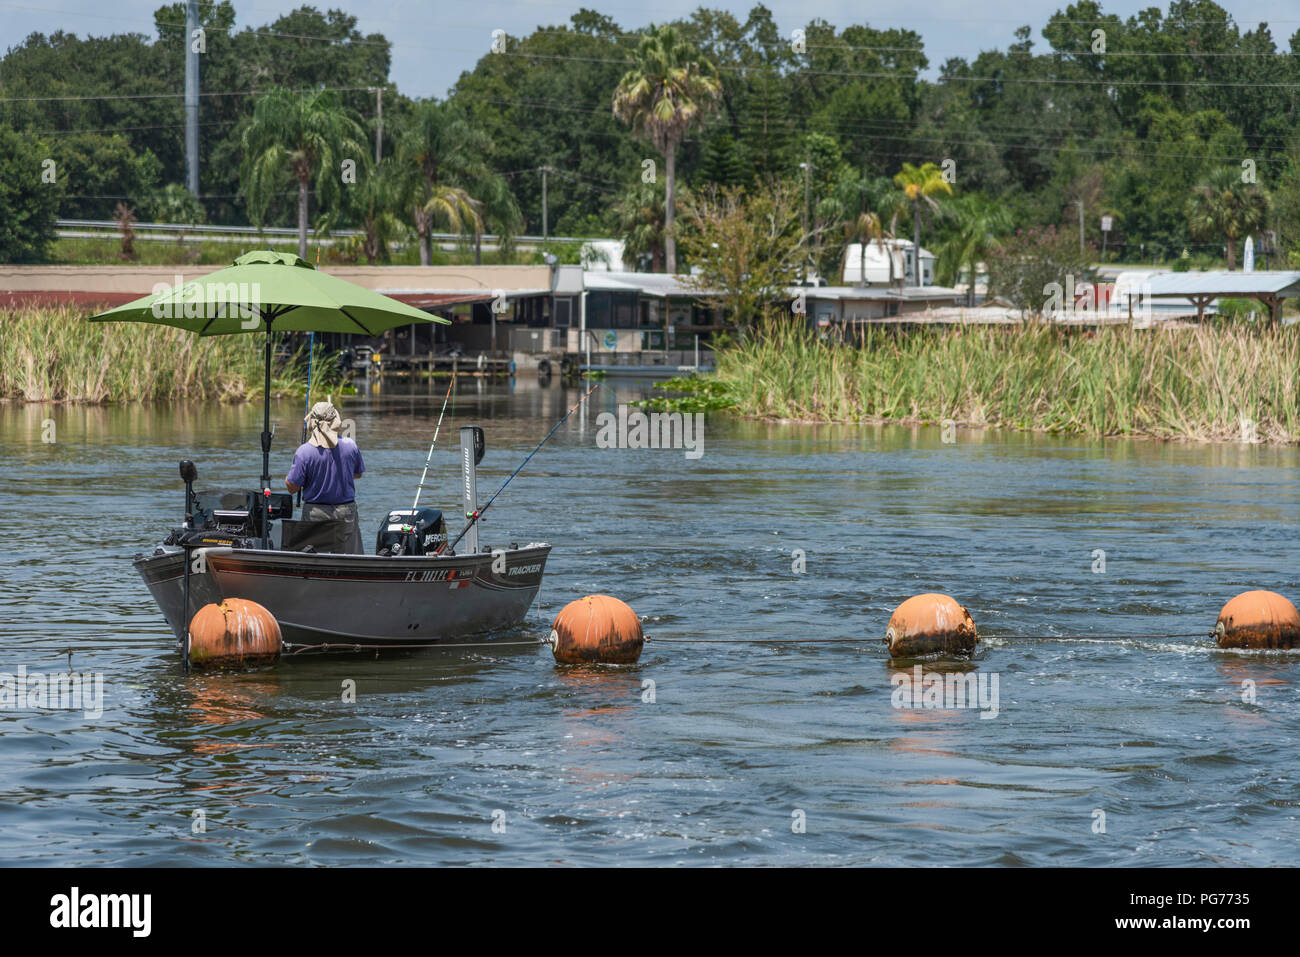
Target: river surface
x: 1142, y: 749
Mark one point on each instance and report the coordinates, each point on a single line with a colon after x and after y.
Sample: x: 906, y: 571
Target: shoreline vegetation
x: 1221, y: 382
x: 1217, y: 382
x: 55, y: 355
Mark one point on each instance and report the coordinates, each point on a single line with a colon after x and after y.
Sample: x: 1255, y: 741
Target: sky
x: 434, y: 42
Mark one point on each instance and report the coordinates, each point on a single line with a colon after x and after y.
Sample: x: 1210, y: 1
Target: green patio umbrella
x: 271, y: 293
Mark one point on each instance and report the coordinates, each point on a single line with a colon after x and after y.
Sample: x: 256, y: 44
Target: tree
x: 669, y: 91
x: 864, y: 229
x: 29, y: 203
x: 100, y: 172
x: 173, y: 204
x: 980, y: 221
x: 641, y: 224
x: 1222, y: 205
x: 920, y: 184
x: 747, y: 246
x: 307, y: 136
x: 375, y: 202
x: 850, y: 198
x: 441, y: 155
x: 1027, y: 266
x: 721, y: 163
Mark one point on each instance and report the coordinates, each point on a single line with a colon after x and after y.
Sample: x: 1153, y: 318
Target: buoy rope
x: 350, y: 646
x: 870, y: 639
x: 1196, y: 634
x: 754, y: 641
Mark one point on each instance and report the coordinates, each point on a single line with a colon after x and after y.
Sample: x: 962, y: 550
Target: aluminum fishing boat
x: 418, y: 588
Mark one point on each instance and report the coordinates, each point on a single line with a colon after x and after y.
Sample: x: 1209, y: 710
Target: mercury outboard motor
x: 411, y: 531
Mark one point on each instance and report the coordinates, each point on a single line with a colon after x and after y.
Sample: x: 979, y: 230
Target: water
x: 742, y: 742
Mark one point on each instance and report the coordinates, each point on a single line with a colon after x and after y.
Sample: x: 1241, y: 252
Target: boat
x: 415, y: 590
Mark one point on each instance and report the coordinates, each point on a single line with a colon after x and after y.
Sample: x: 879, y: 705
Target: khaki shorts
x: 348, y: 542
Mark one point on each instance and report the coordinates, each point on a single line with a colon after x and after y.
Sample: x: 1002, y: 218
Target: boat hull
x: 356, y: 600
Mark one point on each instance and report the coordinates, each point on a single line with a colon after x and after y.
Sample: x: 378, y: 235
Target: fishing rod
x: 311, y: 354
x: 478, y: 512
x: 419, y: 488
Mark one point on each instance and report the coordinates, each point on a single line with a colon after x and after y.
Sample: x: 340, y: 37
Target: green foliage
x: 28, y: 206
x: 1165, y: 383
x: 746, y: 248
x: 172, y: 204
x: 55, y: 355
x: 701, y: 394
x: 1046, y: 122
x: 1222, y: 205
x: 98, y: 172
x: 1025, y: 265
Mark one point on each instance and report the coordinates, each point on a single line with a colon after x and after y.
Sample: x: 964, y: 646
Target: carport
x: 1203, y: 288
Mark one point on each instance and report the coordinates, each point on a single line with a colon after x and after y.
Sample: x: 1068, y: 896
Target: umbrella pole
x: 266, y: 444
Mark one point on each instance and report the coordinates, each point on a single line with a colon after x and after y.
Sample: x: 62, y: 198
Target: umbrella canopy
x: 265, y: 291
x: 269, y: 292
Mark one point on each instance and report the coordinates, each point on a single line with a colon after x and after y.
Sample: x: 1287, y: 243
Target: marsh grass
x: 1221, y: 382
x: 53, y: 354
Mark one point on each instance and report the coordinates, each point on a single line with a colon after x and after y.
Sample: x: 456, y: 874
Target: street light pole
x: 379, y: 121
x: 545, y: 224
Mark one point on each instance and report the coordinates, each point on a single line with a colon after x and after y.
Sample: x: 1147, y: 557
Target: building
x: 887, y: 262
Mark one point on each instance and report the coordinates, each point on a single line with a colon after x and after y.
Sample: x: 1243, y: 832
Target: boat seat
x: 330, y: 535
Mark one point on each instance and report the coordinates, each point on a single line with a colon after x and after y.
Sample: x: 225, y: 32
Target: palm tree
x: 864, y: 229
x: 669, y: 91
x: 853, y: 197
x: 979, y: 223
x: 1222, y: 205
x: 441, y: 154
x: 641, y: 224
x: 376, y: 201
x: 920, y: 184
x: 499, y: 210
x: 308, y: 135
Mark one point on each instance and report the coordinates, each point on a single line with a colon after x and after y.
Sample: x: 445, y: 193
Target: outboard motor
x: 411, y: 531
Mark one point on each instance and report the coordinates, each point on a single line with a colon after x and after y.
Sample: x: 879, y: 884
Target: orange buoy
x: 1258, y: 619
x: 930, y: 624
x: 237, y: 630
x: 596, y: 628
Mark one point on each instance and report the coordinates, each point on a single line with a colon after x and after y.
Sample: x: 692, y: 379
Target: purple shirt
x: 325, y: 475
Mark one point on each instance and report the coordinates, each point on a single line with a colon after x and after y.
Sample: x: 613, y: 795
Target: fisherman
x: 324, y: 469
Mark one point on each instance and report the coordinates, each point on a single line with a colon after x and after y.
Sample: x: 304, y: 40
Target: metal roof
x: 873, y: 293
x: 1221, y: 282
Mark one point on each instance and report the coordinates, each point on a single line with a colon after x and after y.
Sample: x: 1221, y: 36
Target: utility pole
x: 545, y: 232
x: 806, y: 165
x: 191, y: 97
x: 379, y: 121
x: 807, y: 208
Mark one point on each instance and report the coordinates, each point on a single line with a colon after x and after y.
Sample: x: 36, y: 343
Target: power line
x: 170, y: 96
x: 912, y: 75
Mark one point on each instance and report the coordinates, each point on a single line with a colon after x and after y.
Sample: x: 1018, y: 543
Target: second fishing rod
x: 473, y: 514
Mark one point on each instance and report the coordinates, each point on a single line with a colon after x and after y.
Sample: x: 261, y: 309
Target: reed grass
x: 53, y: 354
x: 1221, y: 382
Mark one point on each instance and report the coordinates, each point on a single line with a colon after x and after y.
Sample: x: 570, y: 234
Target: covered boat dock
x: 1203, y: 288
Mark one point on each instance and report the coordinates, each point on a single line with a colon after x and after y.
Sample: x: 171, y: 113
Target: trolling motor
x: 189, y: 475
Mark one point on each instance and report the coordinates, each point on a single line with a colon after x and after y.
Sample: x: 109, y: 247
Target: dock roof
x: 1221, y: 282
